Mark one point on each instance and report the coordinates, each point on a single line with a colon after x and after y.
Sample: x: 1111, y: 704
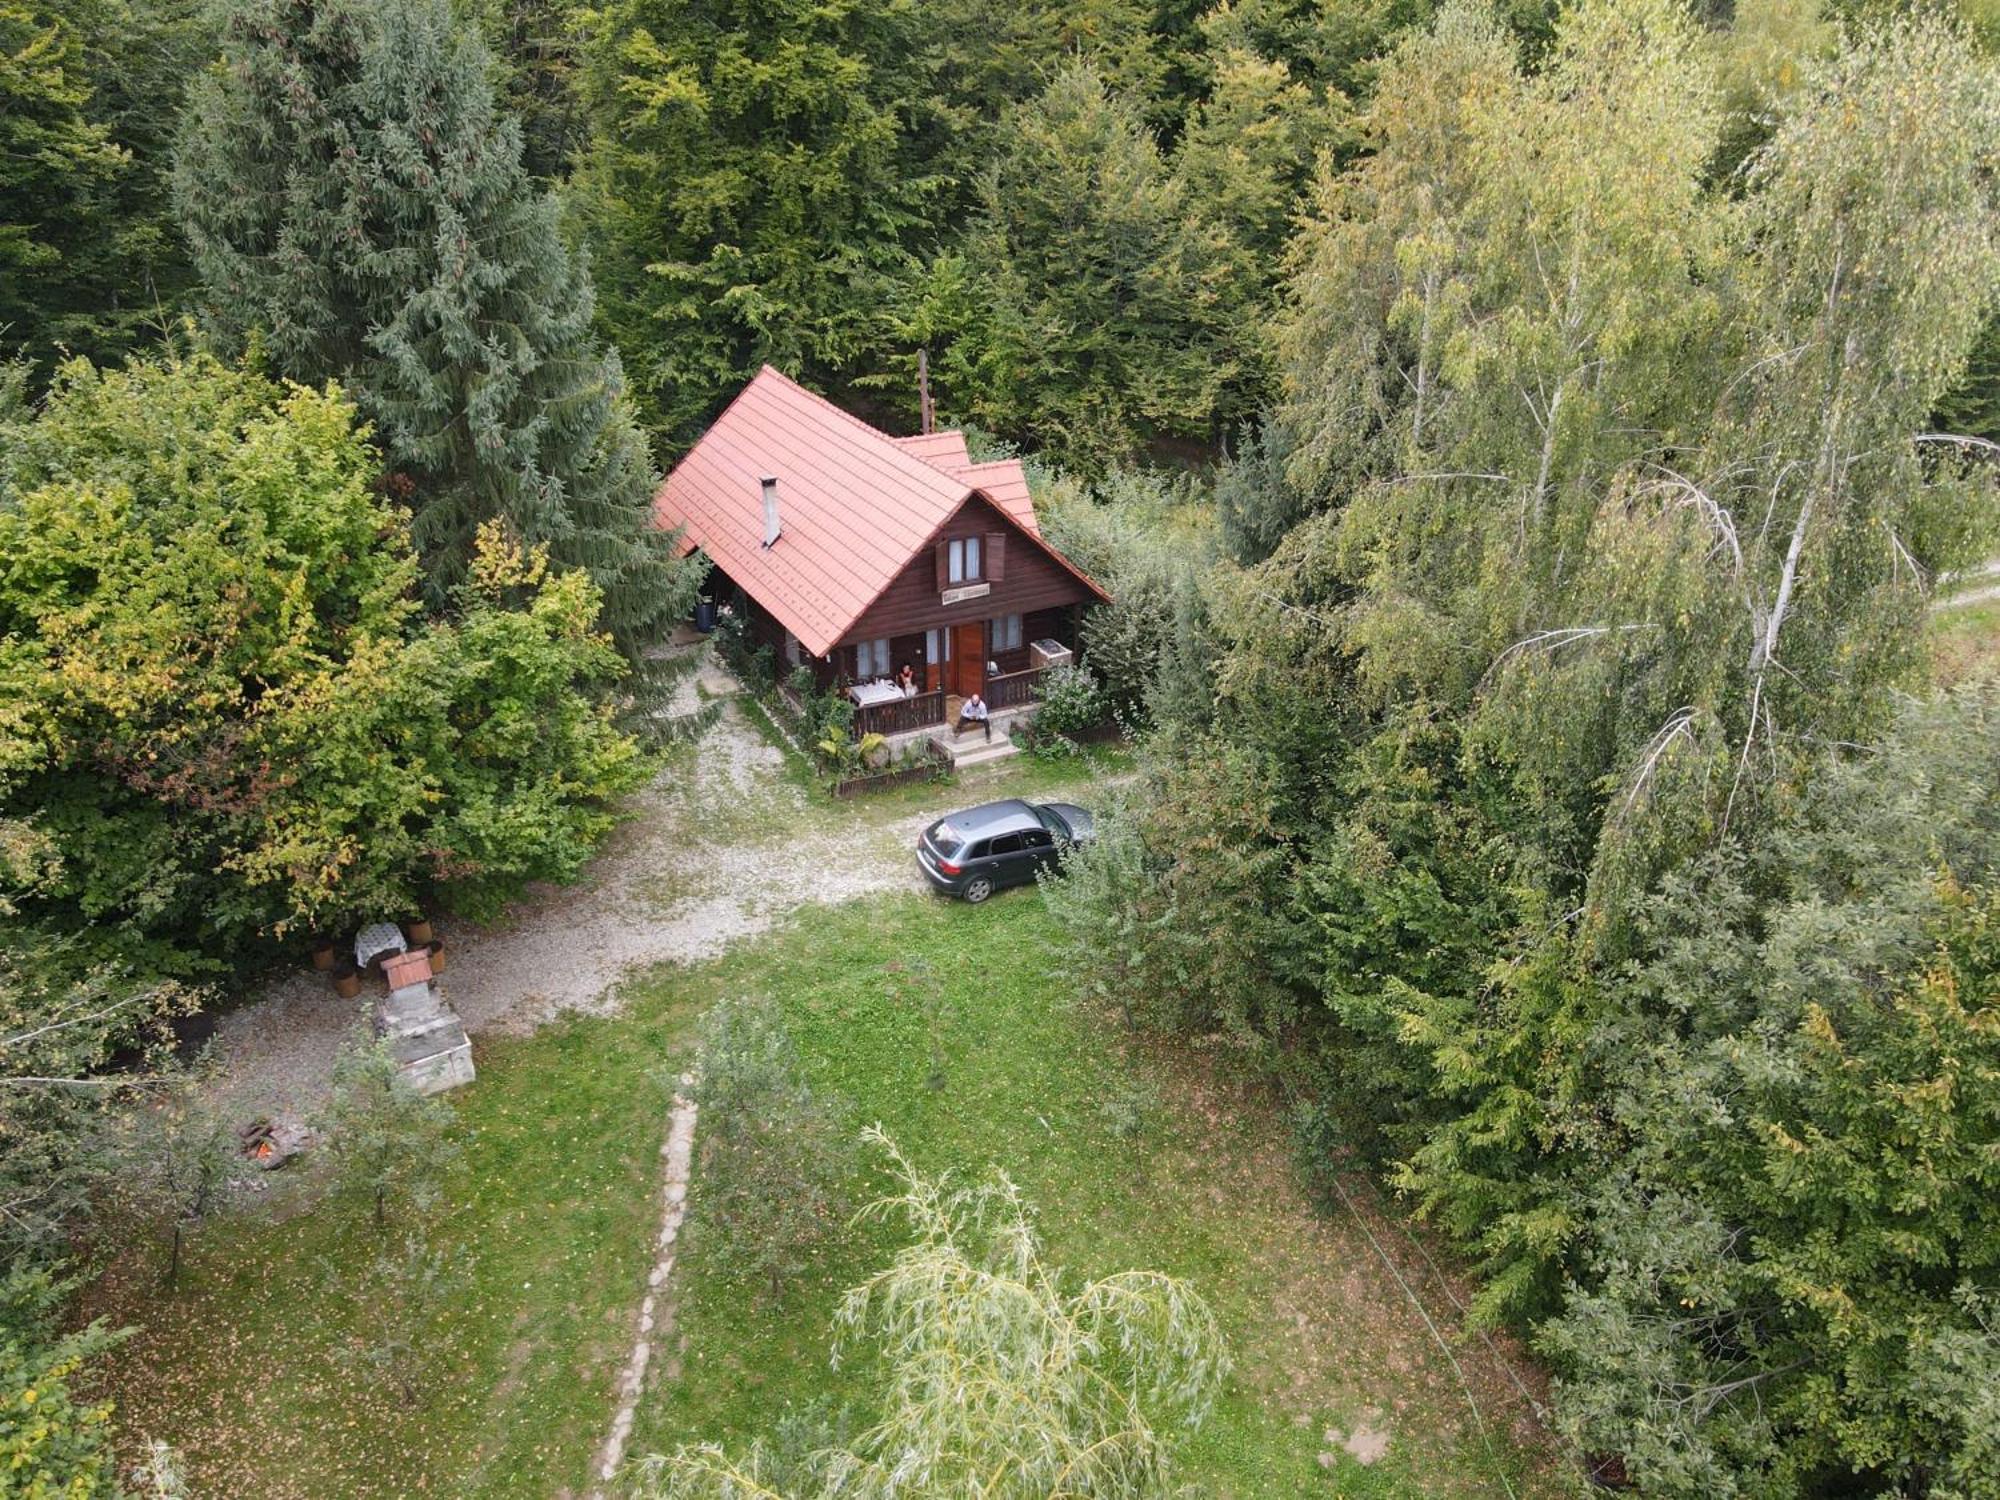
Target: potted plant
x: 346, y: 980
x: 419, y: 931
x: 322, y: 953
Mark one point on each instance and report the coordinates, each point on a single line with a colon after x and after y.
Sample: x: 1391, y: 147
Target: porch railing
x: 900, y: 715
x: 1014, y: 689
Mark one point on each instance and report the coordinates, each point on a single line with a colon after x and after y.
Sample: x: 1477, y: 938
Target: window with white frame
x: 937, y: 646
x: 1004, y: 633
x: 964, y: 560
x: 871, y: 659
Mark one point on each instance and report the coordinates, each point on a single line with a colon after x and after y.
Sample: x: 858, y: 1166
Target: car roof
x: 990, y: 818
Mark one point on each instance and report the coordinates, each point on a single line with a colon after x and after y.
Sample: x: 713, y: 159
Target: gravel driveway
x: 689, y: 873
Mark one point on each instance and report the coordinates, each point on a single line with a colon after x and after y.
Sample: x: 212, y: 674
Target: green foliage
x: 55, y: 153
x: 1790, y: 1261
x: 537, y: 46
x: 399, y: 1294
x: 1144, y: 539
x: 1248, y: 153
x: 359, y: 211
x: 756, y: 175
x: 88, y: 96
x: 391, y: 1145
x: 1071, y: 703
x: 53, y: 1442
x: 226, y: 715
x: 1174, y: 916
x: 1585, y: 877
x: 844, y: 754
x: 64, y: 1012
x: 768, y: 1192
x: 998, y: 1375
x: 1090, y: 309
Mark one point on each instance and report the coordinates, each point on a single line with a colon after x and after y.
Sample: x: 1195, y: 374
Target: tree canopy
x: 1581, y: 565
x: 227, y: 712
x: 359, y: 211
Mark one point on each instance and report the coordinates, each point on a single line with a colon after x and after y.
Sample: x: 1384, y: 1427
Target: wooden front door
x: 968, y: 658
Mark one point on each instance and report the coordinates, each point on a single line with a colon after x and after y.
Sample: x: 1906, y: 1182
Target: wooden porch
x: 1008, y: 690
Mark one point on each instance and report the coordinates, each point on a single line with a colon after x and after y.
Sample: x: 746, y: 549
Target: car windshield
x: 1052, y: 820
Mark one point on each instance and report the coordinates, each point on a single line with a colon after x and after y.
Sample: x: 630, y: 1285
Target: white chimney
x: 771, y: 527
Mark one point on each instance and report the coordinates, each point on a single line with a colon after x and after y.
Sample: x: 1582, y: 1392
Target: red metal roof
x: 854, y: 504
x: 1005, y: 483
x: 945, y: 449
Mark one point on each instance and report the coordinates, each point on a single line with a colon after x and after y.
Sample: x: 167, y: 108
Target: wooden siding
x: 1031, y: 582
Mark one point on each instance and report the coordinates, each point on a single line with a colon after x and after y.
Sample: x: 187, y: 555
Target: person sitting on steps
x: 973, y: 711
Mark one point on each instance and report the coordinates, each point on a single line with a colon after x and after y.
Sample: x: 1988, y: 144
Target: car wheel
x: 978, y: 889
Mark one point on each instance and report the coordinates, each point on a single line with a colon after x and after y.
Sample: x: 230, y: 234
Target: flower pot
x: 347, y: 982
x: 419, y: 931
x: 322, y: 953
x: 437, y: 958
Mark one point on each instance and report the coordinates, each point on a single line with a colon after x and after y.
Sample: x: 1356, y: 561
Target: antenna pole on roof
x: 926, y: 413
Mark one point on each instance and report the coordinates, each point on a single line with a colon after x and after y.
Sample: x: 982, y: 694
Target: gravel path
x: 685, y: 876
x: 1969, y: 596
x: 1976, y: 593
x: 657, y: 1309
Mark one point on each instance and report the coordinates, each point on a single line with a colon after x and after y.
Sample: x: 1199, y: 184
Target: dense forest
x: 1522, y: 442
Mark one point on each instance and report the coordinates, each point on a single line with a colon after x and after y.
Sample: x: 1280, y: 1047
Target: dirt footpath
x: 719, y: 848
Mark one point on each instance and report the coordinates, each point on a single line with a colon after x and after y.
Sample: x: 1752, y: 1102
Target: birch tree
x: 1004, y: 1377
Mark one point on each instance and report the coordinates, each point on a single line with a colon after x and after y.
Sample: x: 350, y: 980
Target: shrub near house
x: 226, y: 709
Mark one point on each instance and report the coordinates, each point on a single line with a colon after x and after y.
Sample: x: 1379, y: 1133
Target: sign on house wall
x: 964, y: 592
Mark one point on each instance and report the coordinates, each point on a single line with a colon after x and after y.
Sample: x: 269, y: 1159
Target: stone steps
x: 981, y: 753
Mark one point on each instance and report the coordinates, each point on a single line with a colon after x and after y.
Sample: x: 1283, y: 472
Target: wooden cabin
x: 852, y: 553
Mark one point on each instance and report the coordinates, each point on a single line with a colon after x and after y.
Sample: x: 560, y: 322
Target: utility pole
x: 926, y: 413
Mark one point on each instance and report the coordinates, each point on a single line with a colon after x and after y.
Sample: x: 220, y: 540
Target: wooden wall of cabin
x: 1030, y: 582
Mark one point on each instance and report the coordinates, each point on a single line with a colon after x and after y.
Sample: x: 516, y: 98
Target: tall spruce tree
x: 1095, y: 307
x: 357, y: 202
x: 757, y: 175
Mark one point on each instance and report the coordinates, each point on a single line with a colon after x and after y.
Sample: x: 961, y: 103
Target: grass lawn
x: 551, y: 1208
x: 1319, y: 1331
x: 555, y: 1200
x: 1965, y: 640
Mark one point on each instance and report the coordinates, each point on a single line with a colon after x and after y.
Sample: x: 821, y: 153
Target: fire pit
x: 271, y: 1143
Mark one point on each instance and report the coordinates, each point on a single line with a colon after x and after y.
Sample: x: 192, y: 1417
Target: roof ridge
x: 812, y: 395
x: 888, y: 440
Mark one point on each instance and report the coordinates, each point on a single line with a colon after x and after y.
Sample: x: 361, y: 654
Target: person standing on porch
x: 973, y: 711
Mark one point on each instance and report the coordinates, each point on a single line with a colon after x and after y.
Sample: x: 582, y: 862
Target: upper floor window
x: 964, y: 562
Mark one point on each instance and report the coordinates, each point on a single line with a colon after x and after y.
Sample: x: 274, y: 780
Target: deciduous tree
x: 1001, y: 1376
x: 770, y: 1187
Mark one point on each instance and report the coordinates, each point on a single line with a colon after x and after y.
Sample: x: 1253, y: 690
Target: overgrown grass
x: 1132, y: 1158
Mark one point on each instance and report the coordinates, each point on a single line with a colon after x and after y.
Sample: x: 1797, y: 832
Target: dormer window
x: 963, y: 564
